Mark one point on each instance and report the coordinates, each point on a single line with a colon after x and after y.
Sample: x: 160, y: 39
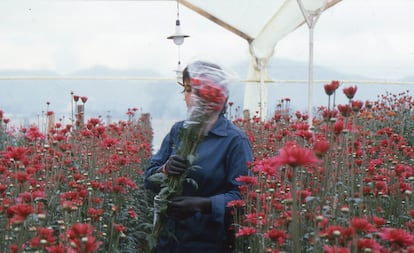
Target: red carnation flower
x: 294, y: 155
x: 246, y: 231
x: 330, y: 88
x: 321, y: 147
x: 276, y: 235
x: 397, y: 236
x: 345, y: 110
x: 350, y: 91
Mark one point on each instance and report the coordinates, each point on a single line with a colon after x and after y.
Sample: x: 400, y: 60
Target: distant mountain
x: 24, y: 72
x: 25, y: 101
x: 105, y: 71
x: 278, y: 69
x: 98, y: 70
x: 162, y: 98
x: 408, y: 79
x: 284, y: 69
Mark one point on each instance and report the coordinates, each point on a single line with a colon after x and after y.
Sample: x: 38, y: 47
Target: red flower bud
x: 345, y: 110
x: 331, y: 87
x: 350, y: 91
x: 356, y: 105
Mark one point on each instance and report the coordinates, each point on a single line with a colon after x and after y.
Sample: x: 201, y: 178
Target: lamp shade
x: 178, y: 37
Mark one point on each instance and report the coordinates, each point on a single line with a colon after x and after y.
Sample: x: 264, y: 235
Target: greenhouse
x: 320, y: 88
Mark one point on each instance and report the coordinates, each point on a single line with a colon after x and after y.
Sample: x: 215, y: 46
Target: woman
x: 198, y: 219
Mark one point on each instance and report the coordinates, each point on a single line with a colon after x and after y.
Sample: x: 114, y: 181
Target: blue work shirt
x: 222, y: 156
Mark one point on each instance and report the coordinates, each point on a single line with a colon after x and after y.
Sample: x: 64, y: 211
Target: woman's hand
x: 175, y: 166
x: 183, y: 207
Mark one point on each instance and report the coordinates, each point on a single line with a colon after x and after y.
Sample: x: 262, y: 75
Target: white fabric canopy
x: 262, y: 24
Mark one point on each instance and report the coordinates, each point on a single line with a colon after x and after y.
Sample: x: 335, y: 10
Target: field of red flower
x: 75, y: 188
x: 343, y: 184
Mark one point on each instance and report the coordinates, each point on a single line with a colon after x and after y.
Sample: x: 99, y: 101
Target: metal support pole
x: 310, y: 17
x: 262, y: 93
x: 310, y: 79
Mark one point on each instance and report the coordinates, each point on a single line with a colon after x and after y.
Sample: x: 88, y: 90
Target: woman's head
x: 207, y: 83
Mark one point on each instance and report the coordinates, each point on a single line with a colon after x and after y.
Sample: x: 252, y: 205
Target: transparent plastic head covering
x: 209, y: 93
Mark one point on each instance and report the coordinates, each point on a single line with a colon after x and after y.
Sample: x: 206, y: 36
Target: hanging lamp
x: 178, y: 37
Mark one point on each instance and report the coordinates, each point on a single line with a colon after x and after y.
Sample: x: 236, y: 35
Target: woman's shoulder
x: 176, y: 127
x: 232, y: 129
x: 178, y: 124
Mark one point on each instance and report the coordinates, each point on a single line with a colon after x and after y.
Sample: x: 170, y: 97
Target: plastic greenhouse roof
x: 261, y: 23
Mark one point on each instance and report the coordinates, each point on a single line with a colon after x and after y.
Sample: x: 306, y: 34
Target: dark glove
x: 183, y: 207
x: 176, y: 165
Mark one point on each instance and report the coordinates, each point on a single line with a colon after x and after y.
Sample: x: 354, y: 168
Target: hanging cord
x: 178, y: 9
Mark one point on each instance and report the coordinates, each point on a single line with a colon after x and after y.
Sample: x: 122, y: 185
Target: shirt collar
x: 220, y: 127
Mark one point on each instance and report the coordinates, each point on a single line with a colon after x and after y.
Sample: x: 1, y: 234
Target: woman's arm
x: 239, y: 155
x: 160, y: 158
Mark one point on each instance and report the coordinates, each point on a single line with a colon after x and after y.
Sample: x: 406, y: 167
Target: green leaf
x: 165, y: 191
x: 158, y: 178
x: 192, y: 182
x: 191, y: 158
x: 194, y: 167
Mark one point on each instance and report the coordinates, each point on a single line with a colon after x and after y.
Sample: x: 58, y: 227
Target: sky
x: 371, y: 38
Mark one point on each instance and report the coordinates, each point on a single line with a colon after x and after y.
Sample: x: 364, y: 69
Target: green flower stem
x: 295, y: 218
x: 190, y: 138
